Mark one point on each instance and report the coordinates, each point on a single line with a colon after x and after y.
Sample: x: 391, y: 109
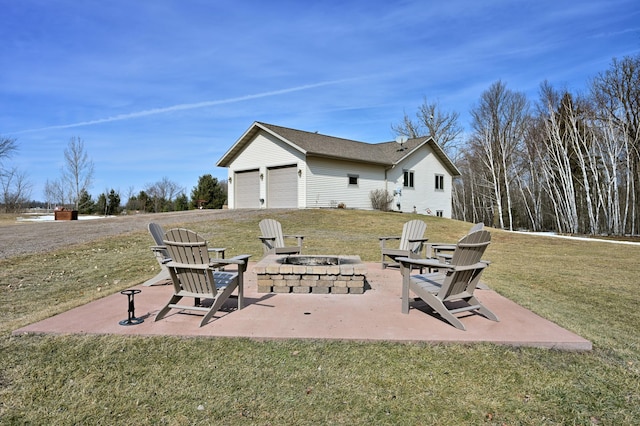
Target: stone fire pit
x: 311, y: 274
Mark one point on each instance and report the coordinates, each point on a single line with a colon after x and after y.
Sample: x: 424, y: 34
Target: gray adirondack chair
x: 411, y: 243
x: 160, y: 253
x: 444, y: 251
x: 194, y: 274
x: 454, y: 282
x: 273, y: 240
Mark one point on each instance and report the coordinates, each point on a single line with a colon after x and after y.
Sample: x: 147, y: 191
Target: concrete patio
x: 372, y: 316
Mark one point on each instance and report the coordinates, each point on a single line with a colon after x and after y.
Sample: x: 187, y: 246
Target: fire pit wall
x: 311, y: 274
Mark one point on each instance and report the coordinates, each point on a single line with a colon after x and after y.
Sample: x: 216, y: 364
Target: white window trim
x: 411, y: 179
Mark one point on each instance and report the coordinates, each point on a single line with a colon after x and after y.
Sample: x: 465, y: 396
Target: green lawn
x: 589, y: 288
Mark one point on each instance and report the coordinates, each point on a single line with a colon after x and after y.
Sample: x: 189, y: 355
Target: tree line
x: 71, y: 189
x: 565, y: 162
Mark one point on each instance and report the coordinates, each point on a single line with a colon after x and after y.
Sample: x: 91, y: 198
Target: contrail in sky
x: 182, y: 107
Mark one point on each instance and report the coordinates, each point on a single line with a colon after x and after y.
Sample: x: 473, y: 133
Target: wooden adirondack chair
x: 454, y: 282
x: 195, y: 275
x: 411, y: 243
x: 161, y: 254
x: 273, y: 240
x: 444, y: 251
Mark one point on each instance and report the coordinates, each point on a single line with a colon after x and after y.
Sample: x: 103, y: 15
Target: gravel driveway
x: 40, y: 237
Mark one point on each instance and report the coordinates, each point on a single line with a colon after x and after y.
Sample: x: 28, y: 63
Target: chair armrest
x: 418, y: 240
x: 420, y: 247
x: 263, y: 238
x: 433, y: 248
x: 241, y: 259
x: 219, y: 251
x: 173, y: 264
x: 298, y: 238
x: 446, y: 246
x: 479, y: 265
x: 434, y: 263
x: 160, y: 252
x: 428, y: 263
x: 385, y: 239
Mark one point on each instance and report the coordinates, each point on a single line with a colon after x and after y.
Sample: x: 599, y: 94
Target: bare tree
x: 14, y: 184
x: 616, y: 94
x: 573, y: 165
x: 7, y: 147
x: 432, y: 121
x: 54, y: 193
x: 78, y: 171
x: 499, y: 123
x: 16, y: 189
x: 162, y: 193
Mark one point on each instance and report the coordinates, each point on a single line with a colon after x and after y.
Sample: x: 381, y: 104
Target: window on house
x: 353, y: 179
x: 439, y: 182
x: 439, y: 213
x: 408, y: 179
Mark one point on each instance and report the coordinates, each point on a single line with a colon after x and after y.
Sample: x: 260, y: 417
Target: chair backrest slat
x: 412, y: 230
x: 272, y: 228
x: 469, y: 251
x: 157, y: 233
x: 187, y: 247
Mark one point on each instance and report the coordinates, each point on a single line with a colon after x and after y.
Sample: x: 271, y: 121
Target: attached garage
x: 247, y: 189
x: 273, y: 167
x: 282, y: 187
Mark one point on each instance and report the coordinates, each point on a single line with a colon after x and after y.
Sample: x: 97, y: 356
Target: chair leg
x: 483, y: 309
x: 217, y: 304
x: 164, y: 311
x: 240, y: 287
x: 438, y: 306
x: 406, y: 283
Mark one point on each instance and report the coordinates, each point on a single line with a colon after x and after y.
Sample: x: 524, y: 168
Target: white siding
x: 328, y: 183
x: 423, y: 196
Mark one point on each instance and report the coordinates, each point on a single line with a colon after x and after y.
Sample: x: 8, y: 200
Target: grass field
x: 590, y: 288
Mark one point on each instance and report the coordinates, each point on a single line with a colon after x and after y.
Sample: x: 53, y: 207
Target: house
x: 278, y: 167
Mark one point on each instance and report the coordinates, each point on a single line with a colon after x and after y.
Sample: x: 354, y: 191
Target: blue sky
x: 163, y: 88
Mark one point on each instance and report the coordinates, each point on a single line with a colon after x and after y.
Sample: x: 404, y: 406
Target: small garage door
x: 282, y: 187
x: 247, y: 190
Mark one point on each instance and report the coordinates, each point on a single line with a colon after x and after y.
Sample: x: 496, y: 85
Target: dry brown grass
x: 587, y: 287
x: 8, y: 219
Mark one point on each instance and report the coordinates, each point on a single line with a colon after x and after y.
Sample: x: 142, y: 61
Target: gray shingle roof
x: 317, y: 144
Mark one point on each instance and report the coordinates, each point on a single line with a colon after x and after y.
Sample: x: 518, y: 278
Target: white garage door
x: 282, y: 187
x: 247, y: 190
